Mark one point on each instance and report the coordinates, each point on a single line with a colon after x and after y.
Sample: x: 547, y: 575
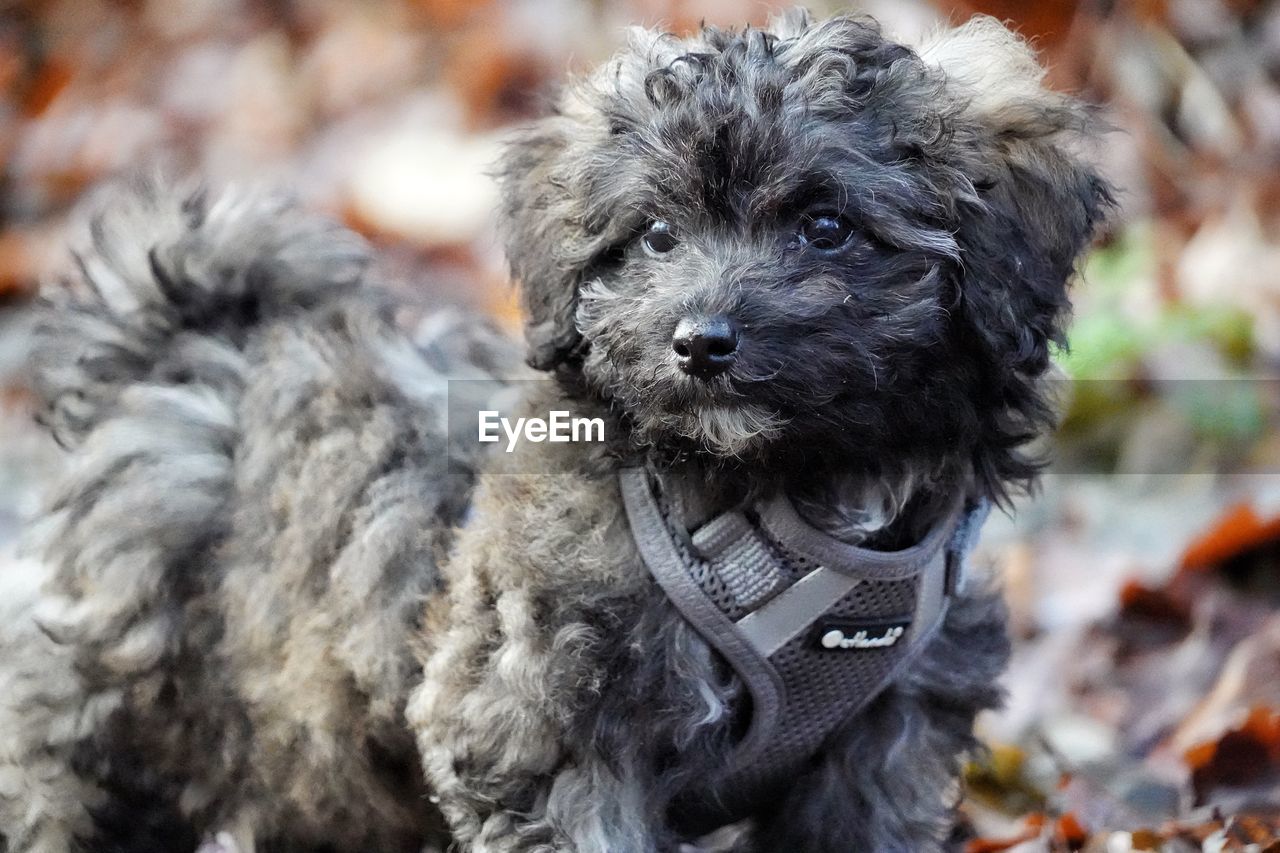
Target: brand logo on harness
x: 861, y: 635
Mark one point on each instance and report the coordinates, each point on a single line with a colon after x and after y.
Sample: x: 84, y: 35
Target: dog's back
x: 258, y: 484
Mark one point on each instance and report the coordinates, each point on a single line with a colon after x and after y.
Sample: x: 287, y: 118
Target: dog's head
x: 808, y: 240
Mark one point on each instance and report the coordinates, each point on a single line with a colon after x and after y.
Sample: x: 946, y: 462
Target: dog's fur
x: 225, y: 623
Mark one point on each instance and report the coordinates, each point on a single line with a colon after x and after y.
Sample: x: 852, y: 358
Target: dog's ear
x: 537, y: 223
x: 1040, y: 201
x: 545, y: 221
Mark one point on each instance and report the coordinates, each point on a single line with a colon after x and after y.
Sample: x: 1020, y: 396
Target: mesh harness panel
x: 814, y: 627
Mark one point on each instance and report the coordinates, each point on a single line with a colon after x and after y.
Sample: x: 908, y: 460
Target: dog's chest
x: 813, y: 627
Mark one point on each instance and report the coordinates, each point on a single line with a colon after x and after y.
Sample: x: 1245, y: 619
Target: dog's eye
x: 825, y: 231
x: 659, y: 240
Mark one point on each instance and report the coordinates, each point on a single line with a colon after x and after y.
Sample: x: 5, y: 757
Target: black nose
x: 705, y: 348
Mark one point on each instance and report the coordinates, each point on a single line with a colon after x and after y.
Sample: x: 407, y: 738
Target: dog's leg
x: 492, y: 717
x: 890, y: 785
x: 539, y: 594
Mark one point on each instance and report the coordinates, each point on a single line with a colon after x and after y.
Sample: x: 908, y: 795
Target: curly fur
x: 214, y: 603
x: 250, y: 614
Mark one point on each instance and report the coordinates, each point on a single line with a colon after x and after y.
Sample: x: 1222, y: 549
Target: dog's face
x: 806, y: 241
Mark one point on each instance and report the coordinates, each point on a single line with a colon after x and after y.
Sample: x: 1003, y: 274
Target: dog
x: 806, y: 277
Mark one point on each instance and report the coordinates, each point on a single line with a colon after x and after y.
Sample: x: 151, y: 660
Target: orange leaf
x: 1069, y: 831
x: 17, y: 266
x: 53, y: 78
x: 1237, y: 531
x: 1200, y: 754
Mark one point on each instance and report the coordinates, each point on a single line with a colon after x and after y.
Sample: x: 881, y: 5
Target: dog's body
x: 240, y: 549
x: 862, y: 256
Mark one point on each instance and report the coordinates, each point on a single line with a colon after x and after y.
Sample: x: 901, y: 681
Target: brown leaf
x: 1241, y: 757
x: 50, y: 82
x: 1145, y: 839
x: 1151, y: 617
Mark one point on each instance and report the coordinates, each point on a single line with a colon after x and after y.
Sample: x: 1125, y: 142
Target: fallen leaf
x: 1068, y: 831
x: 1238, y: 530
x: 1144, y: 839
x: 1150, y: 617
x: 1242, y: 757
x: 1248, y: 677
x: 17, y: 274
x: 51, y: 80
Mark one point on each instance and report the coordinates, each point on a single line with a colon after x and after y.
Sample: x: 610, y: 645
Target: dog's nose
x: 705, y: 348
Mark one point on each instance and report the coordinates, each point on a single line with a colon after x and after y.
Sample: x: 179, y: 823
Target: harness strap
x: 754, y: 581
x: 740, y: 558
x: 665, y: 564
x: 795, y: 609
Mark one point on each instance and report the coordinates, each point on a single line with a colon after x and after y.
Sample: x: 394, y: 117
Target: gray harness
x: 814, y: 627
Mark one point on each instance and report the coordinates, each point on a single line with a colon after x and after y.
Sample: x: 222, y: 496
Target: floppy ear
x: 1040, y: 201
x: 549, y: 244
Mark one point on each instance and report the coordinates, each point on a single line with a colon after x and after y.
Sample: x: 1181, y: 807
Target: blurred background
x: 1145, y: 580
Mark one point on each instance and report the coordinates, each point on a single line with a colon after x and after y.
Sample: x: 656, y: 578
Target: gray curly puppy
x: 807, y: 278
